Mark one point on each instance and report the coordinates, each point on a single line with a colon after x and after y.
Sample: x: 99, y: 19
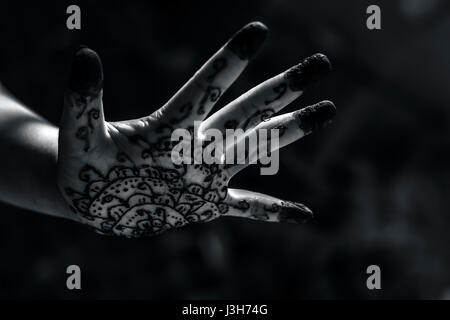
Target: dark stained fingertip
x: 315, y: 116
x: 247, y: 41
x: 308, y: 71
x: 297, y: 213
x: 86, y: 75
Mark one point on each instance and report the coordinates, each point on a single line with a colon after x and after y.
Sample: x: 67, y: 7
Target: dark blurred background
x: 378, y: 178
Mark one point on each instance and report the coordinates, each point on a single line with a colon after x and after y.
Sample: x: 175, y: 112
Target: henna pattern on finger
x: 185, y: 111
x: 274, y: 208
x: 81, y: 103
x: 85, y: 84
x: 218, y: 65
x: 242, y: 205
x: 212, y: 94
x: 279, y: 91
x: 93, y: 115
x: 84, y: 132
x: 284, y: 211
x: 258, y: 116
x: 83, y: 135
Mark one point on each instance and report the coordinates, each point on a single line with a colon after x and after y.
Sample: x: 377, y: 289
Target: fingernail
x: 315, y: 116
x: 246, y: 42
x: 307, y: 72
x: 86, y: 75
x: 292, y: 212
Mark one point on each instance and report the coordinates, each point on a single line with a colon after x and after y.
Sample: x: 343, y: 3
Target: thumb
x: 82, y: 123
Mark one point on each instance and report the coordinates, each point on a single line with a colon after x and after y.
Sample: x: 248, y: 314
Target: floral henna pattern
x: 141, y: 200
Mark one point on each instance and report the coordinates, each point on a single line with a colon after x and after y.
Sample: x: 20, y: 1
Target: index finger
x: 197, y: 97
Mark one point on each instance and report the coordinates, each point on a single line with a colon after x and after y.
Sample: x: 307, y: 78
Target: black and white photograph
x: 221, y: 151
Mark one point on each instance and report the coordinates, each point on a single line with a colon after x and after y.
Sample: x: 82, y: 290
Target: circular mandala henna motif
x: 147, y: 200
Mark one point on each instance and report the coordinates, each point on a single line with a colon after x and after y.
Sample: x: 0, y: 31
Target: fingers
x: 82, y: 122
x: 198, y: 96
x: 269, y: 97
x: 258, y: 206
x: 291, y: 127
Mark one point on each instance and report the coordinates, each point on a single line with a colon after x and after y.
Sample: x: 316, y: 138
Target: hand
x: 119, y: 177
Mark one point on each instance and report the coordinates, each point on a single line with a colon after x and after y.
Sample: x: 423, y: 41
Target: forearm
x: 28, y: 159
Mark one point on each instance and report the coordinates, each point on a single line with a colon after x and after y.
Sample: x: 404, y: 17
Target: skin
x: 118, y: 177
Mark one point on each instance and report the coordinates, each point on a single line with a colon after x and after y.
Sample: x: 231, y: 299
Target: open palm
x: 119, y: 177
